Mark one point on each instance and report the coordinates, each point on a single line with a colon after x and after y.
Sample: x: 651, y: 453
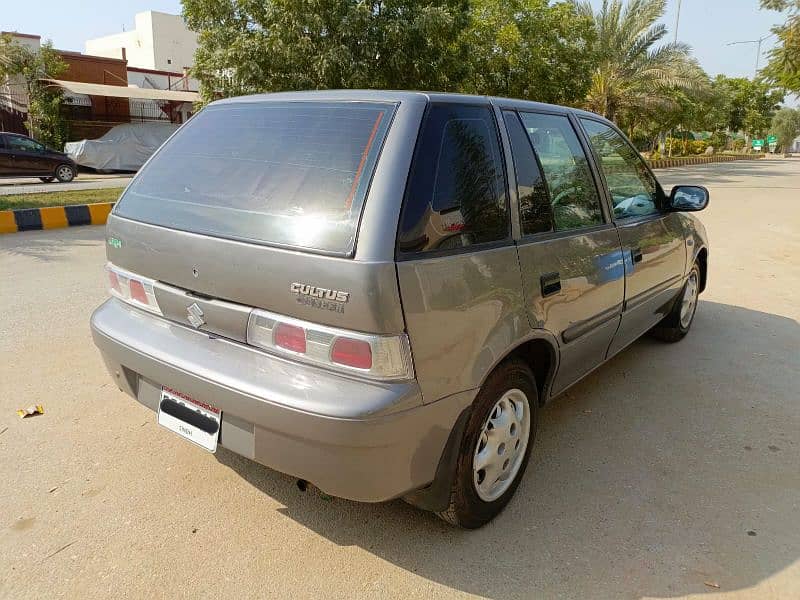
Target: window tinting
x: 286, y: 173
x: 535, y: 213
x: 456, y: 191
x: 634, y: 191
x: 573, y: 194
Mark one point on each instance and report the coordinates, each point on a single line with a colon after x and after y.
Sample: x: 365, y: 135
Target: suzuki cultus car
x: 376, y: 292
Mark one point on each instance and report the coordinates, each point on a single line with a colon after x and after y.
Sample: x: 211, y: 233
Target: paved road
x: 672, y: 468
x: 84, y: 181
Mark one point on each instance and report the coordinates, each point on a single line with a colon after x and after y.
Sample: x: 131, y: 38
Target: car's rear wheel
x: 65, y: 173
x: 46, y: 179
x: 496, y: 446
x: 677, y: 323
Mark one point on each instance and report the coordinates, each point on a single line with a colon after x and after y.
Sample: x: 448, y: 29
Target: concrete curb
x: 685, y: 161
x: 28, y: 219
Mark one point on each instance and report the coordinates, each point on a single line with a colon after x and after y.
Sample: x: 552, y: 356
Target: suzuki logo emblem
x: 195, y: 316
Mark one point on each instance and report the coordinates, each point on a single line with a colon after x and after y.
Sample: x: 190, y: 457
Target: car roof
x: 401, y: 96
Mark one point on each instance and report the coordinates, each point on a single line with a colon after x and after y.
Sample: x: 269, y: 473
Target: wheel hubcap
x: 689, y: 300
x: 65, y: 173
x: 501, y: 445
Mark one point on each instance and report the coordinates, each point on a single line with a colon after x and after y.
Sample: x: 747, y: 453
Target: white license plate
x: 197, y: 421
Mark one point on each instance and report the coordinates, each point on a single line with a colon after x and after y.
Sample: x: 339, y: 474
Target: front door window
x: 634, y: 190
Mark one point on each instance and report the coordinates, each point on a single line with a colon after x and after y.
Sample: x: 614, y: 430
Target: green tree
x: 248, y: 46
x: 783, y: 68
x: 530, y: 49
x: 786, y: 126
x: 634, y: 74
x: 44, y: 122
x: 742, y: 104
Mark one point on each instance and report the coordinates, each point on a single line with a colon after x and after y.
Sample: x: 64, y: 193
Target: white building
x: 160, y: 42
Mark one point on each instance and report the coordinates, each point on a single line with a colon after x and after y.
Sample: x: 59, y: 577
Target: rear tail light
x: 290, y: 337
x: 382, y: 357
x: 131, y: 288
x: 352, y: 353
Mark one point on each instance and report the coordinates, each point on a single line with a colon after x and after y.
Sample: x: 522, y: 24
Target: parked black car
x: 21, y: 156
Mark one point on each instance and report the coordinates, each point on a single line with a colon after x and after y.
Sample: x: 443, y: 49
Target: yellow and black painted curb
x: 28, y: 219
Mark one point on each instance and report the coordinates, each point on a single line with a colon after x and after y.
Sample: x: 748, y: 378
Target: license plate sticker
x: 196, y: 421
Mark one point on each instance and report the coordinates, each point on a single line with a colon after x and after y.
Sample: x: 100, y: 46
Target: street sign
x: 758, y: 144
x: 772, y: 139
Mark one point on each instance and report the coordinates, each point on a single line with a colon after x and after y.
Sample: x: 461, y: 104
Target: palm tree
x: 633, y: 75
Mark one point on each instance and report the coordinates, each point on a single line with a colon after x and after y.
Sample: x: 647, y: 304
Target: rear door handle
x: 636, y: 255
x: 551, y: 284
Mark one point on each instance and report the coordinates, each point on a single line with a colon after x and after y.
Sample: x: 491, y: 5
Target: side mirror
x: 688, y: 198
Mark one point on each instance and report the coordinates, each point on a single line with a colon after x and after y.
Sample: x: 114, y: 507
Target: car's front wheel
x: 496, y: 446
x: 65, y: 173
x: 677, y: 323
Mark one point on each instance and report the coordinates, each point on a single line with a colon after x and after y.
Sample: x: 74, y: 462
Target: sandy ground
x: 672, y: 470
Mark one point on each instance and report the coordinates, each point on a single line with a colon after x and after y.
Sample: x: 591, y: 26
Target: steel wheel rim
x: 501, y: 445
x: 64, y: 173
x: 689, y: 301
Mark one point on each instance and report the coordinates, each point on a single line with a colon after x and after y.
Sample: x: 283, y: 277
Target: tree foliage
x: 44, y: 122
x: 783, y: 68
x: 635, y: 75
x: 249, y: 46
x: 741, y: 104
x: 529, y: 49
x: 523, y: 48
x: 786, y: 126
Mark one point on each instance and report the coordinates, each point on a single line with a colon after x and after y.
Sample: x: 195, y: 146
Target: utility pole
x: 758, y: 43
x: 677, y: 20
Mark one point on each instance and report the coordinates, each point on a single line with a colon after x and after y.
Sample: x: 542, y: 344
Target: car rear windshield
x: 289, y: 174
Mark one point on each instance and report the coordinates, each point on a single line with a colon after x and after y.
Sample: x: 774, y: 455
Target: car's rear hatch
x: 258, y: 205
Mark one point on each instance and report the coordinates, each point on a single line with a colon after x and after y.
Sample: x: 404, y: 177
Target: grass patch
x: 66, y: 198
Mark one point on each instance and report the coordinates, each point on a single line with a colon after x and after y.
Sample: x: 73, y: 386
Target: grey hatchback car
x: 376, y: 292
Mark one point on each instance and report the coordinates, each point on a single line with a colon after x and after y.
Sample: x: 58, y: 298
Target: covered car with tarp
x: 125, y: 147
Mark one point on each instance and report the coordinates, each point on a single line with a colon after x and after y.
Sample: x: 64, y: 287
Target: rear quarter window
x: 292, y: 174
x: 456, y: 194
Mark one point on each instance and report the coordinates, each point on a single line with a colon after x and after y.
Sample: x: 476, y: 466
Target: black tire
x: 65, y: 173
x: 467, y: 509
x: 673, y: 328
x: 46, y: 179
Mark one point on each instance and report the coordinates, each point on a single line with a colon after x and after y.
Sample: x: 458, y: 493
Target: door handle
x: 636, y: 255
x: 551, y: 284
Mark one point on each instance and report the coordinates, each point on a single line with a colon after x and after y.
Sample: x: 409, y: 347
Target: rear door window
x: 456, y: 194
x: 574, y: 198
x: 290, y: 174
x: 535, y: 212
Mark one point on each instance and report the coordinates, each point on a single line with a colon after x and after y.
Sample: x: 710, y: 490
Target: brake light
x: 133, y: 289
x: 381, y: 357
x: 137, y: 291
x: 353, y: 353
x: 290, y: 337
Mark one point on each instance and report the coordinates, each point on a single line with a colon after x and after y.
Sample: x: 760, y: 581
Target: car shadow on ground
x: 51, y: 245
x: 671, y: 470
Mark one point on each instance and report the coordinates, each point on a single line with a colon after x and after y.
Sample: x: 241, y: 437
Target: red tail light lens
x: 353, y: 353
x: 114, y: 281
x: 137, y: 291
x: 290, y: 337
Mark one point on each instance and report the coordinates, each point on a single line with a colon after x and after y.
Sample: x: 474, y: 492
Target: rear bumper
x: 359, y: 440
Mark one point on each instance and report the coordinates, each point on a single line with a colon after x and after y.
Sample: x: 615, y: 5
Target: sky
x: 707, y: 25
